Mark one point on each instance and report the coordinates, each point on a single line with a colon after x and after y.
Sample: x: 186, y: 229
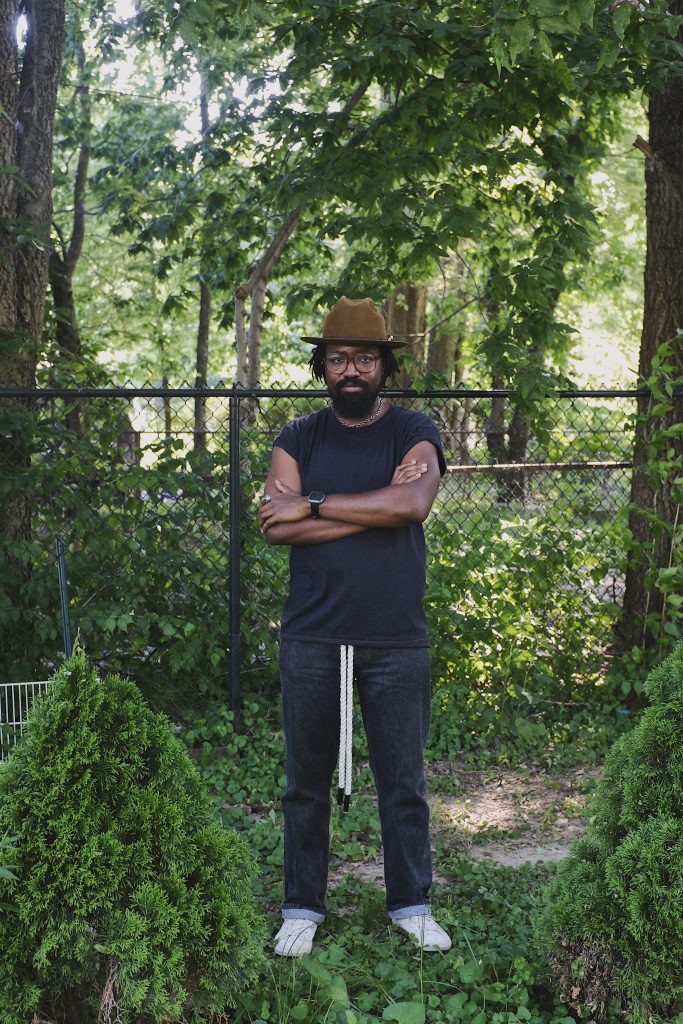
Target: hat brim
x: 390, y: 342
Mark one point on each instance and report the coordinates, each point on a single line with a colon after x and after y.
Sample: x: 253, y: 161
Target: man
x: 348, y: 489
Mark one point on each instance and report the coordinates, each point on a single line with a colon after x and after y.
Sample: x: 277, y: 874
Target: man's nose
x: 351, y: 370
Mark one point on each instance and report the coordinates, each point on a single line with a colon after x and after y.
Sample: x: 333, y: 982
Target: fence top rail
x: 536, y: 467
x: 237, y: 391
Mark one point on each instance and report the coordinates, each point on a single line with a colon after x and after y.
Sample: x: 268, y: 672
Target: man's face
x: 353, y: 375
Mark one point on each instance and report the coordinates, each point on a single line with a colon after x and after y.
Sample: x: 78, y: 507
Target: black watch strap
x: 315, y: 500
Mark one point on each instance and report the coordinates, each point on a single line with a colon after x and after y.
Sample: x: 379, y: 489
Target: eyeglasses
x: 363, y: 361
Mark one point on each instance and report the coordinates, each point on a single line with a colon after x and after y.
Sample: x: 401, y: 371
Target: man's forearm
x: 386, y: 507
x: 310, y: 531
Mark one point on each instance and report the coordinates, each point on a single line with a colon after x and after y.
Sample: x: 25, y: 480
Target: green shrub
x: 130, y: 904
x: 614, y: 916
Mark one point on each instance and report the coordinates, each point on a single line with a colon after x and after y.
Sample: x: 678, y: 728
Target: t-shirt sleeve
x: 288, y: 439
x: 423, y: 429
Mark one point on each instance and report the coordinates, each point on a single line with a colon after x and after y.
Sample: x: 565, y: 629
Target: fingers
x: 409, y: 471
x: 284, y: 506
x: 267, y: 518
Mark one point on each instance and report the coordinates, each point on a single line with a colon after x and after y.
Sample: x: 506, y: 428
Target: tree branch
x: 644, y: 146
x: 78, y: 231
x: 265, y: 265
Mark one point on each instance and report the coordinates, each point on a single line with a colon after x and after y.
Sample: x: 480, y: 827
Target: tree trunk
x: 258, y: 305
x: 61, y: 284
x: 407, y: 315
x: 62, y: 265
x: 643, y: 608
x: 511, y: 483
x: 248, y: 340
x: 8, y: 182
x: 445, y: 358
x: 26, y: 132
x: 407, y: 320
x: 168, y: 412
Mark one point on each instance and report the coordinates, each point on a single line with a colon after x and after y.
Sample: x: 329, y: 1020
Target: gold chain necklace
x: 368, y: 419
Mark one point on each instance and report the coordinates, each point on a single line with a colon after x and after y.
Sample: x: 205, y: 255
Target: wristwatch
x: 315, y: 500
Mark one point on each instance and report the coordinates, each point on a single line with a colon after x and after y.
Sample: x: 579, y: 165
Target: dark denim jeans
x: 394, y: 688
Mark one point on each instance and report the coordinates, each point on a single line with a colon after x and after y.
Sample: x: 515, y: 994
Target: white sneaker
x: 428, y: 935
x: 295, y: 938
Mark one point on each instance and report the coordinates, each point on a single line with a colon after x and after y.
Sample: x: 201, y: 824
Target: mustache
x: 351, y: 380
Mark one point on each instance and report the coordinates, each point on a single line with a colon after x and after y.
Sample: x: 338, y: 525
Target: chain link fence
x: 155, y: 491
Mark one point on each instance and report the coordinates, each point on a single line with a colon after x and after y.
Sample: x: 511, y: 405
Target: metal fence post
x: 235, y: 512
x: 64, y: 596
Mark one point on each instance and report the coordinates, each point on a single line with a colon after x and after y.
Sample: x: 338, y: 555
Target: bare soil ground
x: 512, y: 818
x: 515, y: 817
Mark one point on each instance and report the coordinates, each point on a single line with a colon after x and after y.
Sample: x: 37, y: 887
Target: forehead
x: 350, y: 348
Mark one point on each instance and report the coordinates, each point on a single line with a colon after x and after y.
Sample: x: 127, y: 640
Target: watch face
x: 315, y: 500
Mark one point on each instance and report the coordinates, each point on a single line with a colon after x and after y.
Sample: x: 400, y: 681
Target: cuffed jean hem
x: 302, y: 914
x: 419, y: 910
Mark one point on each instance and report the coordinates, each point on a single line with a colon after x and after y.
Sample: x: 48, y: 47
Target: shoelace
x: 345, y: 725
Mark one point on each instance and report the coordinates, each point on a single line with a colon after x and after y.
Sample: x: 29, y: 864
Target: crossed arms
x: 286, y: 518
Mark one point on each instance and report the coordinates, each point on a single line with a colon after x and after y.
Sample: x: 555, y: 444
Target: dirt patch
x: 513, y: 817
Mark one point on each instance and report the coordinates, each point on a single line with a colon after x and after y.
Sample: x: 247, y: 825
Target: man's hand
x: 408, y: 471
x: 284, y: 506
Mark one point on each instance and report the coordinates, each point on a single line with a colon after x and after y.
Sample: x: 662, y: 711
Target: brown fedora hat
x: 355, y: 322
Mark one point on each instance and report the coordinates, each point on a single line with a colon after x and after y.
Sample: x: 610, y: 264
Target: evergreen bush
x: 613, y: 921
x: 131, y: 904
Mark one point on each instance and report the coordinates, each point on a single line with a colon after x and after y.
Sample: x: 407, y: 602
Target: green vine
x: 663, y: 467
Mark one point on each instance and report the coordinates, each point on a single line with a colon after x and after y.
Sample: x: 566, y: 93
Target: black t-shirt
x: 366, y: 589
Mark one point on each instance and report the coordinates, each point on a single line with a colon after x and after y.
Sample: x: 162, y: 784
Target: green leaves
x: 661, y: 433
x: 470, y: 972
x: 405, y: 1013
x: 548, y: 8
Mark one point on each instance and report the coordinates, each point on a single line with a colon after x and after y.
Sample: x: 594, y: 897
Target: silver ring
x: 266, y: 497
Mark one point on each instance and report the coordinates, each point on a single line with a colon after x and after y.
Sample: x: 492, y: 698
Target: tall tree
x: 655, y: 520
x: 29, y: 76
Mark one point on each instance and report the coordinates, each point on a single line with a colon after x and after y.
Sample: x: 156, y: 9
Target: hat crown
x: 355, y: 318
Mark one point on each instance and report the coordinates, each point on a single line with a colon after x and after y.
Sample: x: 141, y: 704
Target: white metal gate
x: 15, y: 702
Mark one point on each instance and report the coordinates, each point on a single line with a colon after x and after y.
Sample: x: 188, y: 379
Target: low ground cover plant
x: 362, y: 971
x: 614, y: 921
x: 129, y: 903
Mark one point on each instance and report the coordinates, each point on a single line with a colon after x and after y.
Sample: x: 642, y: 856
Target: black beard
x: 357, y: 405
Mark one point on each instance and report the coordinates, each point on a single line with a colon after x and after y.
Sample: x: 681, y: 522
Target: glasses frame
x: 351, y: 359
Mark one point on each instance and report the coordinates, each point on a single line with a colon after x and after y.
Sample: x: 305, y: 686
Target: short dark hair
x: 389, y: 365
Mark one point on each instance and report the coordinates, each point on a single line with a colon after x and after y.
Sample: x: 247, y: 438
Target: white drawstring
x: 345, y: 725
